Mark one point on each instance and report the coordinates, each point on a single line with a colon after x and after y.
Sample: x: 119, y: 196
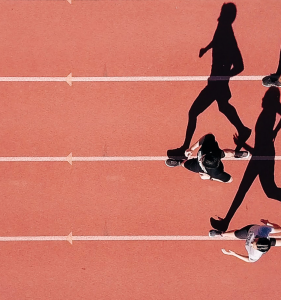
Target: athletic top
x: 256, y: 231
x: 209, y: 145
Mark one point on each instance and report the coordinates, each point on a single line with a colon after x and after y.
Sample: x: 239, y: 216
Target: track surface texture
x: 126, y: 38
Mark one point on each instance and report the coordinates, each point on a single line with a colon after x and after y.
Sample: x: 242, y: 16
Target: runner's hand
x: 188, y: 153
x: 204, y: 176
x: 229, y: 252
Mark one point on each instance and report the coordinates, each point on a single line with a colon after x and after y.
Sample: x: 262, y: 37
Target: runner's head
x: 228, y: 13
x: 263, y: 244
x: 211, y: 160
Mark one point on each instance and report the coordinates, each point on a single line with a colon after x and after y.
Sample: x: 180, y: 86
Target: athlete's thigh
x: 203, y: 101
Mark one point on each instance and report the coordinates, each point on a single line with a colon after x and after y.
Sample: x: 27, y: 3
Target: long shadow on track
x: 226, y: 62
x: 263, y: 157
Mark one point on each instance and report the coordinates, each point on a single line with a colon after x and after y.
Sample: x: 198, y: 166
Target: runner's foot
x: 177, y: 154
x: 271, y: 80
x: 220, y: 225
x: 213, y: 233
x: 173, y: 163
x: 242, y: 138
x: 242, y: 154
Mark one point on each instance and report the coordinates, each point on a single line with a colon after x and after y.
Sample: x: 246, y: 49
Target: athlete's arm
x: 230, y: 180
x: 205, y: 176
x: 189, y: 151
x: 242, y: 257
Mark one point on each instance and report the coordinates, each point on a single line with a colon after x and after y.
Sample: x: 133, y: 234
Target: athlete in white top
x: 257, y: 239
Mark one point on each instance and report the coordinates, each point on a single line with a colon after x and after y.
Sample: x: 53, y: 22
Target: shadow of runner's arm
x: 237, y: 65
x: 204, y: 50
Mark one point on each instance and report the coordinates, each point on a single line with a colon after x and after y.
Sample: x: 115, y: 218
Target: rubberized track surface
x: 52, y: 119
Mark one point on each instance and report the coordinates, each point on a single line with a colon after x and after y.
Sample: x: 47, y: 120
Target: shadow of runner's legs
x: 201, y: 103
x: 250, y: 174
x: 230, y: 112
x: 266, y: 175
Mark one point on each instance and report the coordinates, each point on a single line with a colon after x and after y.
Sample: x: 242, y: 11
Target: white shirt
x: 256, y: 231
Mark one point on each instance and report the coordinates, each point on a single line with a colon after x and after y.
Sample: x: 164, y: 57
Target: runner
x: 257, y: 239
x: 208, y: 162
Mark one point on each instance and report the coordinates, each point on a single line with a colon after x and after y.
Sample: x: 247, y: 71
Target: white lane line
x: 18, y: 79
x: 31, y: 159
x: 70, y: 238
x: 158, y: 158
x: 166, y: 78
x: 70, y: 159
x: 69, y: 79
x: 32, y: 238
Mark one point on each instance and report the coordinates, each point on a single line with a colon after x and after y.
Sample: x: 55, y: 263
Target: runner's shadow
x: 263, y: 157
x: 226, y: 62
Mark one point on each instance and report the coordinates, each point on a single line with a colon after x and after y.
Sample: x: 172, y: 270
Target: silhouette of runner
x: 262, y: 160
x: 226, y: 62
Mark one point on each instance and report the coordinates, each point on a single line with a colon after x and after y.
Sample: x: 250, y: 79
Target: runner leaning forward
x: 208, y: 162
x: 257, y: 239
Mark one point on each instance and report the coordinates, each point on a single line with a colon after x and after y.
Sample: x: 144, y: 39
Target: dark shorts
x: 219, y: 90
x: 243, y: 232
x: 217, y: 173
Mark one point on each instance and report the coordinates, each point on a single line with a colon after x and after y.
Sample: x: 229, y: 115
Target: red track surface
x: 125, y: 38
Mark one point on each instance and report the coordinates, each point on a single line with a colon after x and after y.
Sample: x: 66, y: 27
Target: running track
x: 124, y: 38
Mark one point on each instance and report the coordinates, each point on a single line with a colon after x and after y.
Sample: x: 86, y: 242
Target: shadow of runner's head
x: 228, y: 13
x: 271, y: 99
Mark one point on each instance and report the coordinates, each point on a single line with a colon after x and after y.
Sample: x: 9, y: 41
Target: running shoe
x: 271, y: 80
x: 242, y: 138
x: 173, y: 163
x: 220, y: 224
x: 177, y: 154
x: 242, y: 154
x: 213, y: 233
